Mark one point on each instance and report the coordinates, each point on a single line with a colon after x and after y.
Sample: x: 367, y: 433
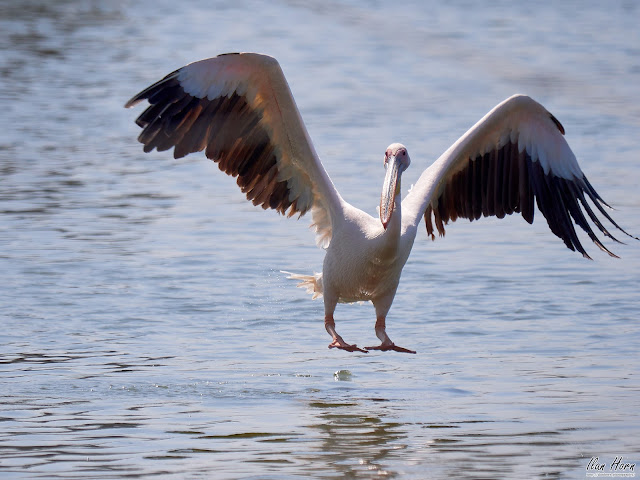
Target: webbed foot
x: 390, y: 346
x: 342, y: 345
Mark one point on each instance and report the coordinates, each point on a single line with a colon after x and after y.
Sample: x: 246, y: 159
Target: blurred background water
x: 147, y: 331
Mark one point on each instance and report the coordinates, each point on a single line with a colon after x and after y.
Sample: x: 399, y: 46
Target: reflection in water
x: 355, y: 441
x: 358, y: 441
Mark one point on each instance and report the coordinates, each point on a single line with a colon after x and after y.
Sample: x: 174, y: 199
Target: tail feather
x: 313, y: 283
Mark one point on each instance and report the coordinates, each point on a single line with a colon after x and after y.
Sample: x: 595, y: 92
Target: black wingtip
x: 597, y: 200
x: 147, y: 92
x: 558, y: 124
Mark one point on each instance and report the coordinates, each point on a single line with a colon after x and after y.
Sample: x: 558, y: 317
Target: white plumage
x: 238, y: 108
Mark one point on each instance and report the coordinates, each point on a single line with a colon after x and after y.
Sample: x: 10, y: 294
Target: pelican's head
x: 396, y: 161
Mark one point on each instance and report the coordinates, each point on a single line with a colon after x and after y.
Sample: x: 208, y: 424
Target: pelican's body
x: 239, y: 109
x: 370, y: 268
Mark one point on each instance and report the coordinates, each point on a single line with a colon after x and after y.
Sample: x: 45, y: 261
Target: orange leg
x: 338, y: 342
x: 387, y: 344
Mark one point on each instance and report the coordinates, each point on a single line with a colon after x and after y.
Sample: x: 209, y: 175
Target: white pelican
x: 239, y: 109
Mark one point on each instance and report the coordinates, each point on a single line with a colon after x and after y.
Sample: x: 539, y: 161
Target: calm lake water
x: 147, y: 331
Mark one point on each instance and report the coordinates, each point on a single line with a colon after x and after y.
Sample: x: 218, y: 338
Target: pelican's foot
x: 342, y: 345
x: 385, y: 347
x: 338, y: 342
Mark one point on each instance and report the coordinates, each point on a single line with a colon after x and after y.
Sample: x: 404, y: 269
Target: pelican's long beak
x: 390, y: 189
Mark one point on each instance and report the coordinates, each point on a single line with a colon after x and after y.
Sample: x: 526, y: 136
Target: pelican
x: 238, y: 108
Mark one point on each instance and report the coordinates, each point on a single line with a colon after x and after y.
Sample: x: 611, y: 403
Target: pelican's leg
x: 338, y: 342
x: 387, y: 344
x: 330, y: 326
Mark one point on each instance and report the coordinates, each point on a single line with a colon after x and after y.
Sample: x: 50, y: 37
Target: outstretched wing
x: 513, y: 158
x: 239, y: 109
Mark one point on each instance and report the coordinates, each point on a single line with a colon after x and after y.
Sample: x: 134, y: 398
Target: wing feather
x: 512, y: 158
x: 239, y: 109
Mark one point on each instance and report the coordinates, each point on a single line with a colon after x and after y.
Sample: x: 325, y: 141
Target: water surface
x: 147, y: 331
